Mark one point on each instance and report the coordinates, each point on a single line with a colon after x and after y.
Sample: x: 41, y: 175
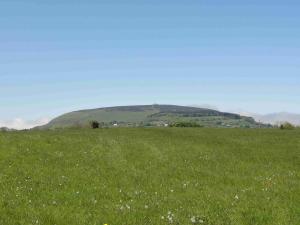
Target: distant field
x: 154, y: 176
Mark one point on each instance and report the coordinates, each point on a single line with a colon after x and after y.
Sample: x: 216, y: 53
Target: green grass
x: 150, y: 177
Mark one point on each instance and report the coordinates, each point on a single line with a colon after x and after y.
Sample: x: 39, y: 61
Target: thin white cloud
x: 20, y: 124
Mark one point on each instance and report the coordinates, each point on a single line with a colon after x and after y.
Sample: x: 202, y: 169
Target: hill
x: 278, y: 118
x: 150, y: 176
x: 6, y: 129
x: 151, y: 115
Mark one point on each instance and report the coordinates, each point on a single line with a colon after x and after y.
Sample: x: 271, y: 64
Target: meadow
x: 150, y: 176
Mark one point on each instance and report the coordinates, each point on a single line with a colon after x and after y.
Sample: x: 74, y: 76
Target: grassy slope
x: 136, y: 176
x: 101, y: 115
x: 150, y: 114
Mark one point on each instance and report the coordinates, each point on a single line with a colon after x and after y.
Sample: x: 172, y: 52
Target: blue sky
x: 59, y: 56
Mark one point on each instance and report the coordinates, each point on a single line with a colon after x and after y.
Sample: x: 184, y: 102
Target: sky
x: 60, y: 56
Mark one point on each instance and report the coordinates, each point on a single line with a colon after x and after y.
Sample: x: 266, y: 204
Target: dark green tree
x: 287, y: 126
x: 94, y: 124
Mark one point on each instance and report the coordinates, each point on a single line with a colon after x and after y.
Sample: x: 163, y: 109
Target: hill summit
x: 151, y: 115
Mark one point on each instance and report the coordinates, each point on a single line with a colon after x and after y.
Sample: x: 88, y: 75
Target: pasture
x: 150, y: 176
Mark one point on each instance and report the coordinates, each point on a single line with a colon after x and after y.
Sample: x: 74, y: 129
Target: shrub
x: 95, y: 124
x: 185, y: 124
x: 287, y: 126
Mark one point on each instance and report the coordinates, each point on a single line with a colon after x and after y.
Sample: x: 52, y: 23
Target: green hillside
x: 150, y: 176
x: 151, y: 115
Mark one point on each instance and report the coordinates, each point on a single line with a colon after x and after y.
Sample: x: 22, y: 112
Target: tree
x: 185, y: 124
x: 287, y: 126
x: 95, y: 124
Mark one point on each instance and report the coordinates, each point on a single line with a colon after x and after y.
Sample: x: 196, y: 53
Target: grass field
x: 155, y: 176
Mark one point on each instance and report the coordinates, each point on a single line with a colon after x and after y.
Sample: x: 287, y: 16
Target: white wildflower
x: 193, y: 219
